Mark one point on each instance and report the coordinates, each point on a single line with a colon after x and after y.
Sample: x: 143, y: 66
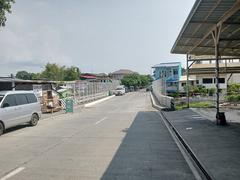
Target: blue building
x: 169, y: 75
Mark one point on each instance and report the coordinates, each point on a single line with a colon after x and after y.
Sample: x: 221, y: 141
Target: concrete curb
x: 98, y: 101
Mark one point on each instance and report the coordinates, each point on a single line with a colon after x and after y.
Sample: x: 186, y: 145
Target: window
x: 1, y: 97
x: 9, y: 101
x: 221, y: 80
x: 21, y: 99
x: 183, y: 84
x: 197, y: 81
x: 175, y: 72
x: 207, y: 80
x: 31, y: 98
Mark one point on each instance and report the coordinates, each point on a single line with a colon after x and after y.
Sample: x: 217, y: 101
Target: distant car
x: 120, y: 90
x: 131, y: 88
x: 149, y: 88
x: 18, y: 107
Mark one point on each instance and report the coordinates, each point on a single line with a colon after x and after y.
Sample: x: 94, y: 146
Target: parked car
x: 131, y: 88
x: 149, y: 88
x: 18, y: 107
x: 120, y: 90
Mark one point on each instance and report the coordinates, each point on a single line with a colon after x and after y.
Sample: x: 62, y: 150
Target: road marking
x: 13, y: 173
x: 98, y: 122
x: 98, y: 101
x: 197, y: 117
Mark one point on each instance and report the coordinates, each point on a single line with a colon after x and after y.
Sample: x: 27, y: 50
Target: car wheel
x: 34, y: 120
x: 1, y: 129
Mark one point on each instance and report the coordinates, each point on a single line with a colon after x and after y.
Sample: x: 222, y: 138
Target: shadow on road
x: 19, y: 127
x: 147, y: 152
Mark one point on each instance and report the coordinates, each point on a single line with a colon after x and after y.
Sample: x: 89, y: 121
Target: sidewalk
x: 232, y: 115
x: 217, y: 147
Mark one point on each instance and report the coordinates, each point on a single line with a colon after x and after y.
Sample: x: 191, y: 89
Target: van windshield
x: 1, y: 97
x: 119, y: 88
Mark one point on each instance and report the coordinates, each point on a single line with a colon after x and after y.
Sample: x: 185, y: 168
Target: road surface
x: 122, y: 138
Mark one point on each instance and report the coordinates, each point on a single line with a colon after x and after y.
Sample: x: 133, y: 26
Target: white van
x: 18, y: 107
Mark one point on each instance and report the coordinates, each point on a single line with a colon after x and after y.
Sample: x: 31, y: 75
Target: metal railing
x: 85, y: 91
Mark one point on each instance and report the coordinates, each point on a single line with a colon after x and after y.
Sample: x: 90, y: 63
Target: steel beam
x: 224, y: 18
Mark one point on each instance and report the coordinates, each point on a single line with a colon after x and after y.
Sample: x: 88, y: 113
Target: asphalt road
x: 121, y: 138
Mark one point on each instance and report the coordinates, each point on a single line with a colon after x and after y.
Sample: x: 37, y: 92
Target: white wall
x: 165, y: 101
x: 212, y: 85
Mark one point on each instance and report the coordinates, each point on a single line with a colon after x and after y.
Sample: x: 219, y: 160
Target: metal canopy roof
x: 195, y: 37
x: 171, y: 64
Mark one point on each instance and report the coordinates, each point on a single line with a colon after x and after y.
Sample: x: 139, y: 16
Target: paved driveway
x: 122, y: 138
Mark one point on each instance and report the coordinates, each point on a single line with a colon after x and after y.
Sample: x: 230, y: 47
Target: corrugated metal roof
x: 9, y: 79
x: 123, y: 71
x: 170, y: 64
x: 195, y: 37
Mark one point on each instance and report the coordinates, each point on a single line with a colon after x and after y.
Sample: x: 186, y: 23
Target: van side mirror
x: 5, y: 105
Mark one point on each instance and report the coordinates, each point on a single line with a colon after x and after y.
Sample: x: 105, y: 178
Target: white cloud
x: 35, y: 47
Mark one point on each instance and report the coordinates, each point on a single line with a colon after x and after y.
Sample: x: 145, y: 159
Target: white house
x: 203, y: 73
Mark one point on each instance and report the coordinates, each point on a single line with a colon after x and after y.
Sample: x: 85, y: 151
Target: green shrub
x: 233, y: 98
x: 233, y: 89
x: 211, y: 91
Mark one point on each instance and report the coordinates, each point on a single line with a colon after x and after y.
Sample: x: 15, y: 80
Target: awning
x: 196, y: 35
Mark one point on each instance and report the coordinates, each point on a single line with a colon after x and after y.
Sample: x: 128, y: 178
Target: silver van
x: 18, y: 107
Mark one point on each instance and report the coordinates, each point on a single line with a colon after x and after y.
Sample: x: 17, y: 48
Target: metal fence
x: 85, y: 91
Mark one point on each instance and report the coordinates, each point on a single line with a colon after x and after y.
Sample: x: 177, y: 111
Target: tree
x: 53, y: 72
x: 136, y: 80
x: 23, y: 75
x: 5, y: 6
x: 35, y: 76
x: 145, y: 80
x: 71, y: 73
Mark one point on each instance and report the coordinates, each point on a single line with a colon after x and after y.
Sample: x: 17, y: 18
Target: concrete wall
x: 163, y: 100
x: 235, y: 78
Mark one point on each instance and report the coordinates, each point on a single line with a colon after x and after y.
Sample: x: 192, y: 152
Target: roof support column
x: 216, y: 34
x: 13, y: 82
x: 187, y: 84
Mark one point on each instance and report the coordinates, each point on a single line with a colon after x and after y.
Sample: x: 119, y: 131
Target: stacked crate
x: 50, y: 102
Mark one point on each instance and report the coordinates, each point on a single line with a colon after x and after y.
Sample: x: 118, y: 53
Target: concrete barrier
x: 165, y: 101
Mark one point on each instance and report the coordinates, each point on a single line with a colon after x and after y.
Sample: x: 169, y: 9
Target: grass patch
x: 206, y: 104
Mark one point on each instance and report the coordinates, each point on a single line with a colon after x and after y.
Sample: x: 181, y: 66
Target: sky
x: 94, y: 35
